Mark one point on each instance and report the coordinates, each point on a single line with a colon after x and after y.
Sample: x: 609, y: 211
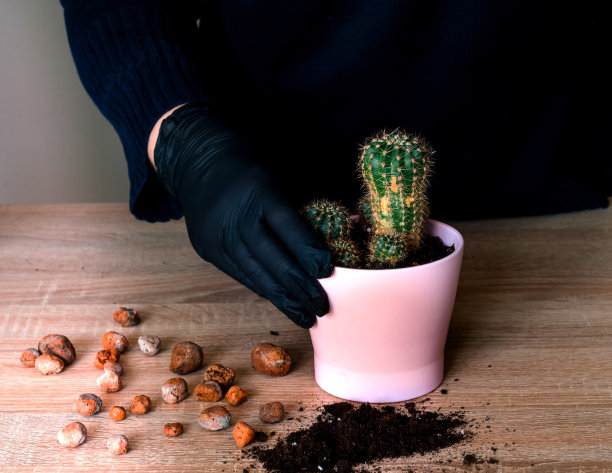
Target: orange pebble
x: 172, y: 429
x: 236, y: 395
x: 103, y: 356
x: 141, y: 405
x: 243, y: 433
x: 117, y: 413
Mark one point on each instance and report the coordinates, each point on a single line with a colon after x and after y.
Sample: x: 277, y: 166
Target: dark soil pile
x: 344, y: 436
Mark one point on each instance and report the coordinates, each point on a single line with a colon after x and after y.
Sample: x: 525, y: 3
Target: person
x: 233, y: 114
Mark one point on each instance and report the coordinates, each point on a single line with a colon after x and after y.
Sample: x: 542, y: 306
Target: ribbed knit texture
x: 135, y: 61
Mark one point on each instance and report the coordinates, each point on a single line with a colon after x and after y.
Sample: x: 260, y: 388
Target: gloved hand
x: 236, y: 218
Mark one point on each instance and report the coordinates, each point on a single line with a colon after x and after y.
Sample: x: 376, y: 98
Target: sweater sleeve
x: 136, y: 60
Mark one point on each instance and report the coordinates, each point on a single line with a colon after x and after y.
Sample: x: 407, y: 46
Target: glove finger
x: 271, y: 254
x: 267, y: 286
x: 299, y: 238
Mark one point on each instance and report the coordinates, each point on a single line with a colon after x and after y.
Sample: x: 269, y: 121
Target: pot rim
x: 458, y: 253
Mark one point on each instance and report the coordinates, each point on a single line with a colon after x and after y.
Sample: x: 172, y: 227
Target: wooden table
x: 529, y: 354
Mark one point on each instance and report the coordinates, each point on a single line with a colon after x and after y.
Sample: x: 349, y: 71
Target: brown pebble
x: 174, y: 390
x: 243, y: 433
x: 117, y: 413
x: 88, y: 404
x: 28, y: 357
x: 214, y: 418
x: 115, y: 340
x: 117, y: 444
x: 49, y: 364
x: 222, y: 375
x: 236, y: 395
x: 149, y: 344
x: 172, y: 429
x: 114, y: 366
x: 126, y: 317
x: 72, y: 435
x: 271, y: 412
x: 106, y: 355
x: 186, y: 357
x: 109, y: 382
x: 209, y: 391
x: 271, y: 359
x: 57, y: 345
x: 141, y: 405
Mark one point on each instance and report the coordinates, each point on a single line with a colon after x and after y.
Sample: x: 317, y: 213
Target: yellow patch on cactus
x: 394, y: 186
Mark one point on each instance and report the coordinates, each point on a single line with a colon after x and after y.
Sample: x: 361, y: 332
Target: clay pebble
x: 115, y: 340
x: 113, y: 366
x: 29, y: 356
x: 117, y: 413
x: 209, y: 391
x: 109, y: 382
x: 243, y: 433
x: 214, y: 418
x: 106, y: 355
x: 236, y: 395
x: 141, y: 404
x: 117, y: 444
x: 221, y: 374
x: 174, y: 390
x: 173, y: 429
x: 126, y: 317
x: 185, y: 358
x: 49, y: 364
x: 58, y: 345
x: 88, y: 404
x: 149, y: 344
x: 271, y: 412
x: 72, y: 435
x: 271, y: 359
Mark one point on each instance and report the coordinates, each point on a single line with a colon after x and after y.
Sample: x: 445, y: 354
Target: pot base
x: 378, y: 387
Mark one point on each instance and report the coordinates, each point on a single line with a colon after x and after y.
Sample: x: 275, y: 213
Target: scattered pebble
x: 88, y: 404
x: 236, y: 395
x: 49, y: 364
x: 117, y: 413
x: 174, y: 390
x: 117, y: 444
x: 126, y: 317
x: 214, y: 418
x: 149, y: 344
x: 271, y: 412
x: 186, y: 357
x: 72, y: 435
x: 173, y: 429
x: 28, y: 357
x: 141, y: 405
x: 109, y: 382
x: 209, y: 391
x: 115, y: 340
x: 243, y: 433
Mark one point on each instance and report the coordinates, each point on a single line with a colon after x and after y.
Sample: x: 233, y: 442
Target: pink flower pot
x: 383, y: 339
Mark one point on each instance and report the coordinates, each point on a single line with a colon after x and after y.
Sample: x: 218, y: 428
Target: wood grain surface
x: 528, y: 358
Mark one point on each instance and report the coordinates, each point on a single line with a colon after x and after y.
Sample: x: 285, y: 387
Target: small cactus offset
x: 344, y: 253
x: 395, y: 168
x: 329, y: 218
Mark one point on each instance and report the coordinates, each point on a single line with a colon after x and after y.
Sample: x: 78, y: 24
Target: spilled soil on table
x: 345, y: 435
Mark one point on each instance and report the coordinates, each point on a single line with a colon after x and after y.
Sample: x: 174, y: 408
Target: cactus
x: 329, y: 218
x: 395, y: 168
x: 344, y: 253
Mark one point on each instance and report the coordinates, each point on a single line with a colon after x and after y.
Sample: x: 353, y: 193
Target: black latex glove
x: 236, y: 218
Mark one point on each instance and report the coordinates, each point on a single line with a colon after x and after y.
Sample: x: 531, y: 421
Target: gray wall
x: 55, y: 146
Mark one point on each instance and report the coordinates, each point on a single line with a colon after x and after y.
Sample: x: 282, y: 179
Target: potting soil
x: 344, y: 436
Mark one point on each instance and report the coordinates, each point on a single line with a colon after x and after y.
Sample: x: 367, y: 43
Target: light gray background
x: 55, y: 146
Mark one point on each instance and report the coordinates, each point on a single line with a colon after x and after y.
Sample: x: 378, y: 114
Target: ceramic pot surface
x: 383, y: 339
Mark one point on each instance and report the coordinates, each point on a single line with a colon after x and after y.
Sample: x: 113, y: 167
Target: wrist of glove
x: 235, y: 216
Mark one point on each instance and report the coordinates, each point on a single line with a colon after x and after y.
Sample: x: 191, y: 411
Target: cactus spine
x: 395, y: 168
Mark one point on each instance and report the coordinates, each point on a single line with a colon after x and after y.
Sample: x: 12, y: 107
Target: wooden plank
x: 528, y: 354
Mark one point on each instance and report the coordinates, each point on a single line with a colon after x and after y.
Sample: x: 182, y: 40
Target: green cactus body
x: 344, y: 253
x: 386, y: 250
x: 395, y: 168
x: 329, y: 218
